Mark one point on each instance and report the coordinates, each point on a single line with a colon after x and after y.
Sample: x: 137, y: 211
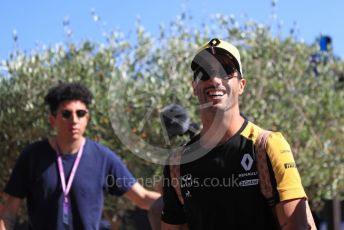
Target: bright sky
x: 41, y: 22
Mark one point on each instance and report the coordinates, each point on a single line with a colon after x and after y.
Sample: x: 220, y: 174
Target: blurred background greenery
x: 287, y: 91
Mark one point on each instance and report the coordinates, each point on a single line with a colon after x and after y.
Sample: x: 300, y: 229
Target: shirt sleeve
x: 173, y: 212
x: 18, y: 184
x: 119, y: 179
x: 288, y: 179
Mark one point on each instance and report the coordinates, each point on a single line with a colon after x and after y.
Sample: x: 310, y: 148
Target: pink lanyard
x: 71, y: 178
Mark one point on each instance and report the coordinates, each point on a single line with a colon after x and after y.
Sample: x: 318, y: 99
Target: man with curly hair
x: 64, y: 177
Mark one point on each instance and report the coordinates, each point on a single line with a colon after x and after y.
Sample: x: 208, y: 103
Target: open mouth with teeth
x: 215, y: 93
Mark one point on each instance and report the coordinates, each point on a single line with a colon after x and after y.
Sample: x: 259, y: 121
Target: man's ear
x: 52, y: 120
x: 242, y: 84
x: 194, y: 85
x: 88, y: 117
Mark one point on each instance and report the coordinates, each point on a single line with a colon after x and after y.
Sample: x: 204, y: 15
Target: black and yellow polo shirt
x: 221, y: 189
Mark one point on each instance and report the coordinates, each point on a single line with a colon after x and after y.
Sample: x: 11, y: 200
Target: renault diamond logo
x: 247, y: 161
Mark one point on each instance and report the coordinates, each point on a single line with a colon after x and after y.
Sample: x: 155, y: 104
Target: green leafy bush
x: 132, y: 81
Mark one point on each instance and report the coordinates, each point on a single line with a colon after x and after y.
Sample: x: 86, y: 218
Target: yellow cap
x: 215, y: 44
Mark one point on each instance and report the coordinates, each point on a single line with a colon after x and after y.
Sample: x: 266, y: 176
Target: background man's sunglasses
x: 226, y: 73
x: 66, y: 114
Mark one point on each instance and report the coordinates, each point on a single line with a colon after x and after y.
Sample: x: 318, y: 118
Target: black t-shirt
x: 220, y: 189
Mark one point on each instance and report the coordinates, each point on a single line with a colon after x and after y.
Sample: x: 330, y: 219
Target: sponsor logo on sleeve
x: 289, y: 165
x: 285, y: 151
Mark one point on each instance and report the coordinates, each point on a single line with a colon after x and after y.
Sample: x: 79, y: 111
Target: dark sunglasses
x: 226, y: 73
x: 66, y: 114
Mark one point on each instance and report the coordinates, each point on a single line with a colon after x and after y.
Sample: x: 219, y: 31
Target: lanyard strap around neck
x: 65, y: 188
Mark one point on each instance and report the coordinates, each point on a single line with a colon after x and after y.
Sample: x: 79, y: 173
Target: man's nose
x: 75, y: 117
x: 215, y: 79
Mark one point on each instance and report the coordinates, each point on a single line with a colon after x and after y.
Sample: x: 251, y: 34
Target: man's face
x: 218, y: 93
x: 70, y: 120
